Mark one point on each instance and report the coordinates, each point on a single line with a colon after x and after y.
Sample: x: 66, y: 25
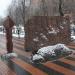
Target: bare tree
x: 1, y: 21
x: 60, y: 8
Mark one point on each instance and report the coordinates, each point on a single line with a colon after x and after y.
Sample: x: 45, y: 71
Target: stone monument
x: 8, y: 24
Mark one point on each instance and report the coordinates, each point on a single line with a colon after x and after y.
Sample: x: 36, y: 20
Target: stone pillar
x: 8, y: 24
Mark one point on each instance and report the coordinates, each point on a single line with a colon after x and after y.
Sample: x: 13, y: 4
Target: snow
x: 53, y: 31
x: 37, y: 57
x: 14, y: 31
x: 50, y: 51
x: 64, y: 22
x: 61, y: 27
x: 41, y: 44
x: 36, y: 39
x: 10, y: 55
x: 43, y: 36
x: 73, y: 37
x: 72, y: 25
x: 46, y: 50
x: 2, y: 33
x: 15, y: 35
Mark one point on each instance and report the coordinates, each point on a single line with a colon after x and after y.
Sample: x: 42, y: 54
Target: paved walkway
x: 23, y: 66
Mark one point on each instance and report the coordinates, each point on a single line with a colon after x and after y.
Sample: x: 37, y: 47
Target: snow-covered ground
x: 73, y: 37
x: 2, y: 33
x: 15, y: 35
x: 15, y: 31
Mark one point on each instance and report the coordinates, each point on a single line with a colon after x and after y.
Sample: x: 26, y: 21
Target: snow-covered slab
x: 53, y: 51
x: 37, y: 57
x: 9, y: 55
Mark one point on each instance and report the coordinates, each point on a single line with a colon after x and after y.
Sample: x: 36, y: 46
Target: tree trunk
x: 60, y: 8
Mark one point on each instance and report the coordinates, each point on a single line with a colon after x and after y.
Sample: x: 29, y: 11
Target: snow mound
x: 37, y: 57
x: 10, y: 55
x: 51, y: 51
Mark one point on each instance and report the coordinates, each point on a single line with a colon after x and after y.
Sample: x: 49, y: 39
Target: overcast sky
x: 3, y: 7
